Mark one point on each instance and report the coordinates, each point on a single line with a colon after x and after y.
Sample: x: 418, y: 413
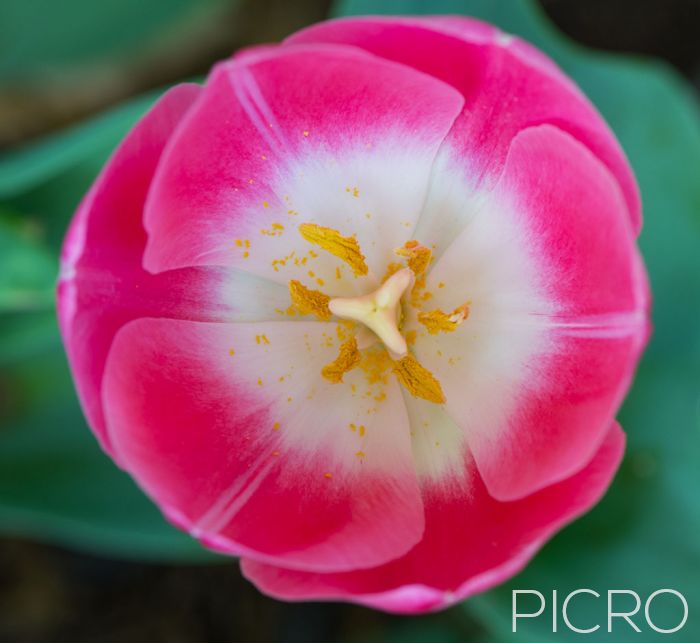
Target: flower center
x: 379, y: 310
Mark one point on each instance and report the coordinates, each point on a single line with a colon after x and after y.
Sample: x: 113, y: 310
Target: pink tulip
x: 362, y: 308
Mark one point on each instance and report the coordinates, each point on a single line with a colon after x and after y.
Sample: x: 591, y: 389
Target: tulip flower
x: 362, y: 308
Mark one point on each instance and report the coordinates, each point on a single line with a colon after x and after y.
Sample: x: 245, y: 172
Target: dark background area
x: 48, y: 594
x: 665, y: 28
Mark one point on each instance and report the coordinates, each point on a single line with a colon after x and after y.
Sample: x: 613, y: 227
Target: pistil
x: 379, y: 310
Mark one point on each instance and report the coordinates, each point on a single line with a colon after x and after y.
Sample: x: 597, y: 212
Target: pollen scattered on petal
x: 276, y: 426
x: 348, y: 358
x: 345, y: 248
x: 418, y: 380
x: 309, y: 301
x: 437, y: 321
x: 275, y: 230
x: 327, y: 475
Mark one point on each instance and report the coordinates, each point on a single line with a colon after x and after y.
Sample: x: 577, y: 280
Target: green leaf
x: 644, y: 535
x: 27, y: 269
x: 32, y: 165
x: 38, y: 37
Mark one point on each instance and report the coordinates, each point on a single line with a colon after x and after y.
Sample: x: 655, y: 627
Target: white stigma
x: 379, y: 310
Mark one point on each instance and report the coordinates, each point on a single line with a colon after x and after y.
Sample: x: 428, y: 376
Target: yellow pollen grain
x: 276, y: 426
x: 376, y: 365
x: 437, y: 321
x: 391, y: 269
x: 361, y: 430
x: 260, y: 382
x: 345, y: 248
x: 348, y: 358
x: 246, y: 254
x: 262, y: 339
x: 441, y: 284
x: 266, y: 204
x: 239, y: 243
x: 320, y: 282
x: 275, y: 230
x: 360, y: 454
x: 352, y: 427
x: 327, y: 475
x: 231, y: 352
x: 411, y: 337
x: 309, y: 301
x: 418, y: 380
x: 338, y: 274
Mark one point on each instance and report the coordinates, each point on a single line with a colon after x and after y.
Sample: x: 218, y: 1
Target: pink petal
x: 250, y: 449
x: 507, y: 85
x: 102, y: 283
x: 557, y: 316
x: 471, y: 543
x: 321, y: 134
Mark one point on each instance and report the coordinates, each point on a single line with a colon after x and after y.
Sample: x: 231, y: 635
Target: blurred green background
x: 84, y: 557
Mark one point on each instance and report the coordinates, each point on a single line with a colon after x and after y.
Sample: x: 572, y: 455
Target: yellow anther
x: 418, y: 256
x: 418, y: 380
x: 345, y: 248
x: 309, y: 301
x: 437, y: 321
x: 348, y: 358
